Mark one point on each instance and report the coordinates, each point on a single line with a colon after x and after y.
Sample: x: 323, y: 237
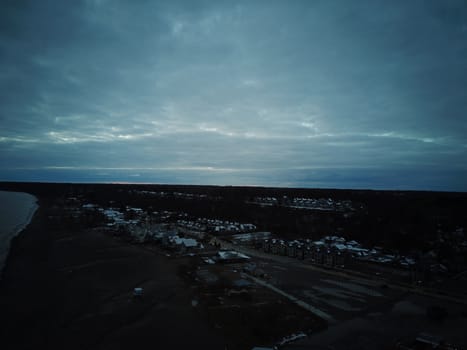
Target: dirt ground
x: 240, y: 309
x: 73, y: 290
x: 403, y: 321
x: 342, y: 298
x: 371, y: 316
x: 69, y: 288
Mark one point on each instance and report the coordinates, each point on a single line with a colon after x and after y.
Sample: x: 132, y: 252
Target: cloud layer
x: 368, y: 94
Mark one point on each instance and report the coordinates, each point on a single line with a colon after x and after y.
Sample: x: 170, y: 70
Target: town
x: 182, y: 233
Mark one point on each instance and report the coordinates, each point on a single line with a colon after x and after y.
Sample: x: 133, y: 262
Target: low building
x: 267, y: 246
x: 317, y: 255
x: 329, y: 258
x: 292, y: 250
x: 184, y: 245
x: 340, y: 258
x: 251, y: 238
x: 231, y: 256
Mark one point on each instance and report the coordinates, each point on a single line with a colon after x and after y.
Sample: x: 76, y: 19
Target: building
x: 267, y: 246
x: 231, y: 256
x: 184, y: 245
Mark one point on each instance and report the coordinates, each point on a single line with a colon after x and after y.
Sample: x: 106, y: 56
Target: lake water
x: 16, y: 211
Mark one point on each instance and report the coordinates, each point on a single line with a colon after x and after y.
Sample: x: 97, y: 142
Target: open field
x: 366, y: 315
x: 73, y: 289
x: 381, y: 327
x: 65, y: 289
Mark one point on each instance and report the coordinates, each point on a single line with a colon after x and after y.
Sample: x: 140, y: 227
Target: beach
x: 17, y: 210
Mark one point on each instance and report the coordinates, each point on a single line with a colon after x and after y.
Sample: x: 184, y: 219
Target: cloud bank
x: 368, y: 94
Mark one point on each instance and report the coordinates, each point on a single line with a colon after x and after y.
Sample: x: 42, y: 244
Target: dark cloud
x: 325, y: 93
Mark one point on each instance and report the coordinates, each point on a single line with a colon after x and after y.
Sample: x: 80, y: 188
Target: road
x: 354, y: 275
x: 295, y: 300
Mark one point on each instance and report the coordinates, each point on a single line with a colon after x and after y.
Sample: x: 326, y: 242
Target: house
x: 275, y: 246
x: 166, y: 237
x: 353, y: 243
x: 251, y: 238
x: 292, y: 249
x: 138, y: 292
x: 317, y: 255
x: 339, y: 247
x: 184, y: 245
x: 329, y: 258
x: 231, y: 256
x: 267, y: 246
x: 318, y: 244
x: 340, y: 258
x: 300, y: 251
x: 282, y: 250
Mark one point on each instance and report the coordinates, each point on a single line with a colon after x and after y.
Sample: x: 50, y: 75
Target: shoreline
x: 8, y: 236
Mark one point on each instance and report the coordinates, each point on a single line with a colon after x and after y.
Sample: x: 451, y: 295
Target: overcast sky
x: 346, y: 94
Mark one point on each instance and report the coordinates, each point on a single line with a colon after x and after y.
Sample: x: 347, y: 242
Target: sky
x: 329, y: 94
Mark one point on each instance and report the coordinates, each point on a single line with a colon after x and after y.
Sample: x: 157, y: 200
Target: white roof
x: 232, y: 254
x: 89, y: 205
x: 187, y: 242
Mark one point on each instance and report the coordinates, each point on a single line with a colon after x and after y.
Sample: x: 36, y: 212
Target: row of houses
x: 164, y: 234
x: 320, y: 204
x: 170, y: 239
x: 306, y: 203
x: 164, y: 194
x: 252, y: 239
x: 216, y: 226
x: 334, y: 251
x: 323, y: 255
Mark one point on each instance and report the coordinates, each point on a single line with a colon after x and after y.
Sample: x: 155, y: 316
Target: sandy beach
x: 17, y: 210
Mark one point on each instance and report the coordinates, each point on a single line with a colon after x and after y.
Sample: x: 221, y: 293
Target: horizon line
x: 127, y: 183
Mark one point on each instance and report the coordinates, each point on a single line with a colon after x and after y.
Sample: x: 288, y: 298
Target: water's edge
x: 8, y: 236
